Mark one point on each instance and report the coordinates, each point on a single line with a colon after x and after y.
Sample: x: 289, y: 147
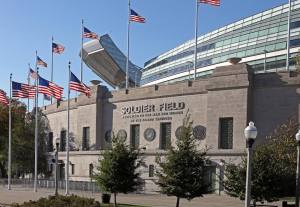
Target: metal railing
x: 50, y: 184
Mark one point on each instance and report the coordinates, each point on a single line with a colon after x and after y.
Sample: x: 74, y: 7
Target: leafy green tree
x: 272, y: 167
x: 118, y: 168
x: 181, y: 172
x: 23, y: 136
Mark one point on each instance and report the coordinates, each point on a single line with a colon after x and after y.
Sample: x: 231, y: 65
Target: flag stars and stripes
x: 77, y: 85
x: 21, y: 90
x: 50, y: 89
x: 57, y: 48
x: 3, y: 98
x: 135, y: 17
x: 212, y: 2
x: 40, y: 62
x: 88, y: 34
x: 32, y: 74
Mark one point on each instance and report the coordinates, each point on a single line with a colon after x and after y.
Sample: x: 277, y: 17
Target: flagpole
x: 288, y: 38
x: 68, y: 132
x: 196, y: 31
x: 81, y: 51
x: 36, y: 125
x: 28, y: 79
x: 9, y: 151
x: 127, y: 61
x: 51, y: 65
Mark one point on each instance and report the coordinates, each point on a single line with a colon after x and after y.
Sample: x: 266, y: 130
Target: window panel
x: 244, y: 37
x: 151, y: 170
x: 263, y: 32
x: 250, y: 52
x: 226, y: 133
x: 166, y: 135
x: 282, y: 28
x: 273, y: 30
x: 63, y: 135
x: 259, y: 50
x: 227, y: 42
x: 86, y: 137
x: 50, y: 143
x: 235, y: 39
x: 270, y: 48
x: 241, y: 54
x: 253, y: 34
x: 281, y: 45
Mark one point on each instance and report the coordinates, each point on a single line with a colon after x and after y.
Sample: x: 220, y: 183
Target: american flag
x: 47, y: 98
x: 32, y: 73
x: 57, y: 48
x: 88, y: 34
x: 3, y: 98
x: 22, y: 90
x: 40, y: 62
x: 135, y: 17
x: 77, y: 85
x: 212, y: 2
x: 50, y: 89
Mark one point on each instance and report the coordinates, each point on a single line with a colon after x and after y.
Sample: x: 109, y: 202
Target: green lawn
x: 120, y: 205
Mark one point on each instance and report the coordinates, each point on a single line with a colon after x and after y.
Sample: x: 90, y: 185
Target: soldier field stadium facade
x: 222, y: 100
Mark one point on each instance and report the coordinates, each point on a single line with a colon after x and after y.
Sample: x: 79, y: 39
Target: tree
x: 118, y: 168
x: 181, y: 172
x: 23, y: 136
x: 272, y: 167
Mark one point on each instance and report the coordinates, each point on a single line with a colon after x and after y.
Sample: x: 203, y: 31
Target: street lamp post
x: 298, y: 169
x: 57, y: 140
x: 265, y: 64
x: 250, y: 134
x: 135, y: 72
x: 190, y: 64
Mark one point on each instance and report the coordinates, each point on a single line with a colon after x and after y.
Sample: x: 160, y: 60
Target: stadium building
x: 221, y: 102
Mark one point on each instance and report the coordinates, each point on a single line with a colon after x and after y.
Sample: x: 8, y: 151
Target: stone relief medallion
x: 122, y: 134
x: 199, y: 132
x: 149, y: 134
x: 108, y: 136
x: 178, y: 132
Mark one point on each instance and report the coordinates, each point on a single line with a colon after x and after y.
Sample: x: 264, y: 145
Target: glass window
x: 241, y: 54
x: 250, y: 52
x: 232, y: 55
x: 283, y: 28
x: 219, y: 44
x: 273, y: 30
x: 244, y: 37
x: 259, y: 50
x: 295, y: 43
x: 253, y: 34
x: 151, y: 170
x: 215, y: 60
x: 86, y: 138
x: 73, y: 169
x: 235, y: 39
x: 91, y: 168
x: 226, y: 134
x: 270, y: 48
x: 50, y: 143
x: 223, y: 58
x: 63, y: 136
x: 295, y: 25
x: 263, y: 32
x: 281, y: 45
x: 227, y: 42
x: 135, y: 136
x: 165, y: 135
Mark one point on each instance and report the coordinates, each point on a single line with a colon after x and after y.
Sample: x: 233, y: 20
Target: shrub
x: 62, y: 201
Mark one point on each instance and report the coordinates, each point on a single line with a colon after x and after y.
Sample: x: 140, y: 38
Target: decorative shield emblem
x: 149, y: 134
x: 108, y: 136
x: 122, y: 134
x: 178, y: 132
x: 199, y: 132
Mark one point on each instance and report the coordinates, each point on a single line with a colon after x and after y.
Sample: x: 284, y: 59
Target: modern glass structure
x: 105, y: 59
x: 248, y: 39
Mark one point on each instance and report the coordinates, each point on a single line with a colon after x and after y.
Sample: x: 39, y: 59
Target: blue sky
x: 27, y: 26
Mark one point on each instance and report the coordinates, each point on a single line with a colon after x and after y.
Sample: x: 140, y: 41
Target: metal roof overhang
x: 102, y: 64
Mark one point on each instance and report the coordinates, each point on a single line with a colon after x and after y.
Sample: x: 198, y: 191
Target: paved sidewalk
x: 19, y: 195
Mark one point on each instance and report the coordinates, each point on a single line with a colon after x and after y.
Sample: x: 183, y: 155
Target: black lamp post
x: 57, y: 140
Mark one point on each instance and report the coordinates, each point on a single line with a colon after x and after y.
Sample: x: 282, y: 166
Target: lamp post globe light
x: 250, y: 134
x: 298, y: 169
x: 57, y: 140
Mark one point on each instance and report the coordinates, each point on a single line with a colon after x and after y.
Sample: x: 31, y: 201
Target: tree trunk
x: 254, y: 203
x: 115, y: 199
x: 177, y: 204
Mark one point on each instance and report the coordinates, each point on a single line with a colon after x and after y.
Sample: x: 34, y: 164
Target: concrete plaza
x: 19, y: 195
